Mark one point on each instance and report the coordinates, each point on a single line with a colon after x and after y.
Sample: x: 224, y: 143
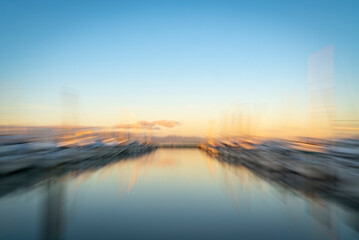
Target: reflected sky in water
x: 170, y: 193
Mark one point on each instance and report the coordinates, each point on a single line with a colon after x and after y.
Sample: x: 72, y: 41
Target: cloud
x: 168, y: 123
x: 150, y: 125
x: 145, y: 124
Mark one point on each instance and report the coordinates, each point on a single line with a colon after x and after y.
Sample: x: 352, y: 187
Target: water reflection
x: 53, y: 221
x: 176, y: 193
x: 327, y: 218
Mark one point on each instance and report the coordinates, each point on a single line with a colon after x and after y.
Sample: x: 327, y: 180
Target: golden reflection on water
x: 182, y: 164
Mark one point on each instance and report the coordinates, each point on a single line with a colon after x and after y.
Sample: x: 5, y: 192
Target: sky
x: 192, y: 62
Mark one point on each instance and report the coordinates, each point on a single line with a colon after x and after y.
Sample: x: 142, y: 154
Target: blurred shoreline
x: 329, y: 169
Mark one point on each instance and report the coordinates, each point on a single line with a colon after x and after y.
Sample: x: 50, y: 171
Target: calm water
x: 171, y: 193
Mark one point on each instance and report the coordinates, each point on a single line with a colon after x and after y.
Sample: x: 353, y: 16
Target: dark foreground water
x: 170, y: 193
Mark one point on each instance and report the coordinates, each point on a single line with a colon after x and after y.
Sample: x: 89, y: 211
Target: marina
x: 179, y: 120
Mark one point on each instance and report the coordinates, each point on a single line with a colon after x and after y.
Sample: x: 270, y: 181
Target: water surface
x: 170, y: 193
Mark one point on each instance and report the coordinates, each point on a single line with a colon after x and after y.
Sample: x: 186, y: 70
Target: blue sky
x: 178, y: 60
